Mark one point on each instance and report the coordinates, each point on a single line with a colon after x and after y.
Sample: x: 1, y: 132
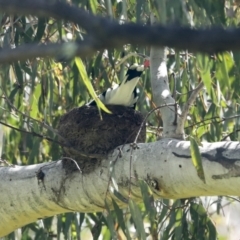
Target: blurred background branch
x: 104, y: 33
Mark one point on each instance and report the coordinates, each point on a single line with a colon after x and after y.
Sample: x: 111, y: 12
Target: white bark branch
x: 167, y: 163
x: 161, y: 92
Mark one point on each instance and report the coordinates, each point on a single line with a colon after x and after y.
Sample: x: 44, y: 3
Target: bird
x: 124, y: 94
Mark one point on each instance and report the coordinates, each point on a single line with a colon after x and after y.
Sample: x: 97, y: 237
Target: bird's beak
x: 146, y: 63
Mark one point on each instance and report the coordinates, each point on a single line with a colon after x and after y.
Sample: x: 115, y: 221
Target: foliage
x: 35, y: 93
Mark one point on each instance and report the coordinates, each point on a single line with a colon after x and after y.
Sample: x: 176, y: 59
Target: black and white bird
x: 124, y: 94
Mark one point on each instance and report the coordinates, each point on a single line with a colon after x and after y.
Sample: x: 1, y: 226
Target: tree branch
x: 110, y: 33
x: 183, y: 116
x: 48, y: 189
x: 28, y: 51
x: 161, y: 91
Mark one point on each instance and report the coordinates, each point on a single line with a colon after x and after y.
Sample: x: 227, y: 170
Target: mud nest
x: 91, y: 138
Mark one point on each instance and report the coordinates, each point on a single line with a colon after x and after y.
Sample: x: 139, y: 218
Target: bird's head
x: 136, y: 70
x: 137, y: 67
x: 146, y: 63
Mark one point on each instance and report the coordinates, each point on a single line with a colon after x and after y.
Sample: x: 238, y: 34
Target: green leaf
x: 51, y: 93
x: 34, y: 100
x: 169, y: 230
x: 93, y: 4
x: 34, y: 151
x: 14, y: 91
x: 139, y: 7
x: 196, y: 158
x: 204, y: 65
x: 148, y: 200
x: 164, y: 210
x: 119, y: 214
x: 119, y: 196
x: 178, y: 224
x: 149, y: 206
x: 211, y: 229
x: 110, y: 221
x: 200, y: 210
x: 67, y: 225
x: 204, y: 69
x: 137, y: 218
x: 40, y: 29
x: 224, y: 65
x: 83, y: 73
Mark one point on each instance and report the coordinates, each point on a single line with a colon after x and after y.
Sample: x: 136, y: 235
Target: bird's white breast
x: 122, y: 94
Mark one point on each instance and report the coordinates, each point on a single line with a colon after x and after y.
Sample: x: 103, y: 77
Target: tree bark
x: 165, y: 165
x: 33, y: 192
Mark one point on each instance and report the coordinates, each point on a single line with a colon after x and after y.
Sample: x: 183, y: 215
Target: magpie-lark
x: 124, y: 94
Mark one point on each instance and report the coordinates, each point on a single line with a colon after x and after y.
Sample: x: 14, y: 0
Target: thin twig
x: 149, y: 113
x: 202, y: 123
x: 185, y: 111
x: 41, y: 123
x: 228, y: 135
x: 74, y: 162
x: 175, y: 99
x: 90, y: 155
x: 6, y: 162
x: 122, y: 60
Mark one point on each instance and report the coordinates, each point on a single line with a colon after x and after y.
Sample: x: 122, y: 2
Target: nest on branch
x: 91, y: 138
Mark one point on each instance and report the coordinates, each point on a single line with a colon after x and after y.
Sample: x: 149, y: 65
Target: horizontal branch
x: 31, y: 50
x: 48, y: 189
x: 109, y: 33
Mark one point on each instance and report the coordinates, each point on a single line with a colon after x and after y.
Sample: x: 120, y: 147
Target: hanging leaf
x: 224, y: 66
x: 120, y: 218
x: 204, y: 70
x: 138, y: 219
x: 83, y: 73
x: 196, y: 159
x: 93, y: 4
